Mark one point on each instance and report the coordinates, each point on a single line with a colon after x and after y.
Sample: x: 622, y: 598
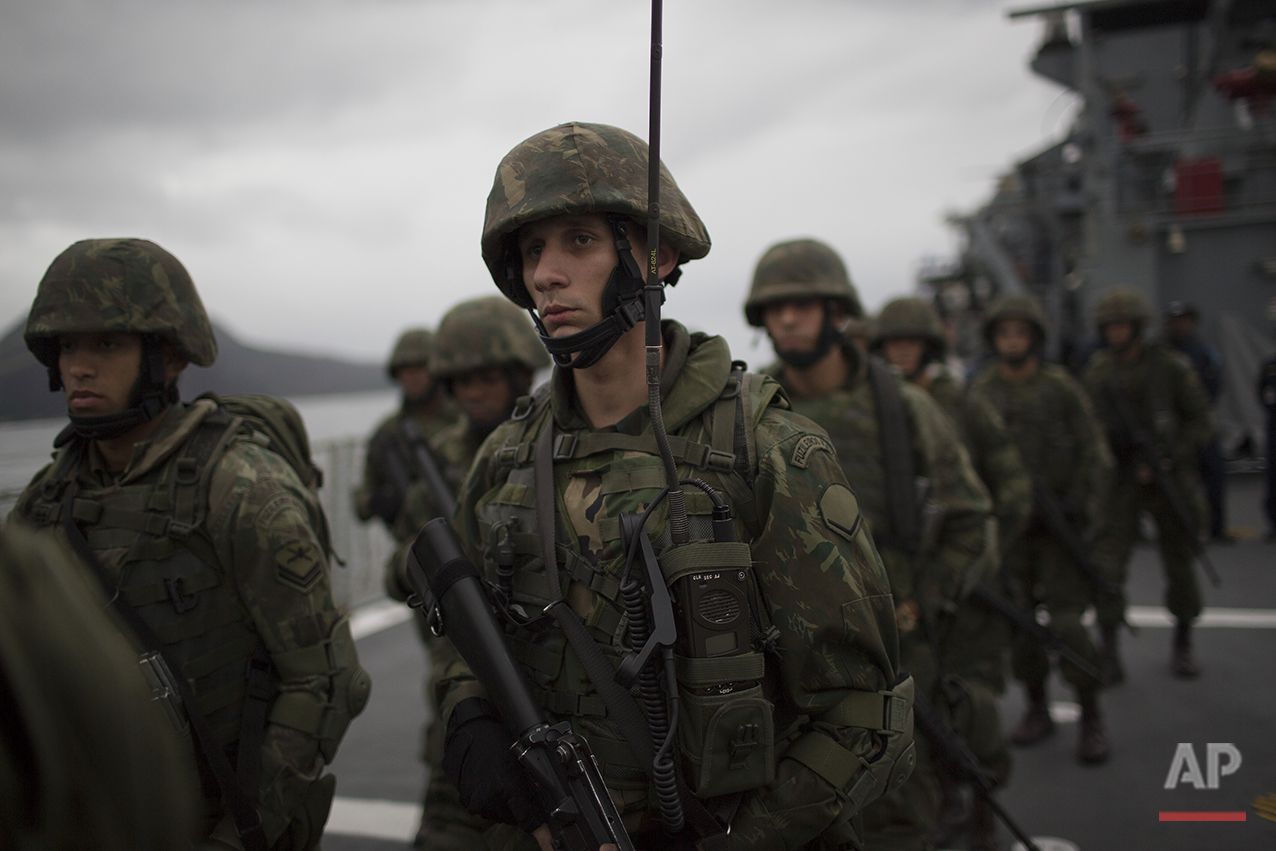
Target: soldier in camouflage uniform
x: 87, y: 759
x: 1169, y: 404
x: 387, y: 469
x: 808, y: 744
x: 908, y: 336
x: 801, y: 294
x: 1050, y: 420
x: 205, y: 533
x: 485, y: 354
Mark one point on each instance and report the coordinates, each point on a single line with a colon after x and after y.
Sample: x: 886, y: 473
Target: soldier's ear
x: 174, y: 363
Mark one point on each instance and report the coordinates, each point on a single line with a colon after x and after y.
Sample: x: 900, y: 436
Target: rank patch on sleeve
x: 299, y: 564
x: 808, y: 445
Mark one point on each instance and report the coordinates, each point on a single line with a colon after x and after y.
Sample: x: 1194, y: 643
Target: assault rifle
x: 1057, y: 521
x: 416, y: 450
x: 1028, y: 625
x: 1151, y: 456
x: 578, y: 808
x: 951, y: 751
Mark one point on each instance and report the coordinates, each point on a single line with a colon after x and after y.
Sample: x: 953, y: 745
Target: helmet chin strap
x: 622, y: 306
x: 829, y: 337
x: 147, y: 400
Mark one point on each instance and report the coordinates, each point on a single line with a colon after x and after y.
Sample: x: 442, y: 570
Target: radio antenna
x: 653, y: 292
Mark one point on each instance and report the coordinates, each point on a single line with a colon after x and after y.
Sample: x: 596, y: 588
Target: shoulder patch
x: 299, y: 564
x: 840, y: 511
x: 806, y: 446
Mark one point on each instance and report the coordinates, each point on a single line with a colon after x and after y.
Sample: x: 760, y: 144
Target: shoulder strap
x: 620, y: 703
x: 897, y: 454
x: 242, y: 809
x: 621, y: 707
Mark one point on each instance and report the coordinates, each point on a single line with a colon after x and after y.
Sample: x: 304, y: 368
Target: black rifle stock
x: 950, y: 750
x: 1027, y: 624
x: 1151, y: 456
x: 578, y: 808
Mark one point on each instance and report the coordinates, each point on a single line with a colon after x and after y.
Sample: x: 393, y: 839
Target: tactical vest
x: 150, y: 538
x: 727, y: 740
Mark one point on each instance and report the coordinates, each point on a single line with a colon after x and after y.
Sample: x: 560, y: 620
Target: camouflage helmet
x: 800, y: 268
x: 413, y: 348
x: 1014, y: 306
x: 482, y: 333
x: 1122, y: 305
x: 107, y: 286
x: 580, y: 168
x: 909, y: 317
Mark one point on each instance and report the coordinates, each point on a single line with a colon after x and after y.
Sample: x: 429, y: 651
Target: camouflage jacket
x: 963, y: 551
x: 1050, y: 420
x: 995, y: 457
x: 454, y: 448
x: 76, y: 700
x: 824, y: 598
x: 250, y: 571
x: 383, y: 450
x: 1166, y: 397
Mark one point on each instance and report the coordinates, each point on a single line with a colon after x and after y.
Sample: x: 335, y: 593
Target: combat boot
x: 1092, y: 746
x: 983, y: 827
x: 1036, y: 723
x: 1110, y: 658
x: 1182, y: 661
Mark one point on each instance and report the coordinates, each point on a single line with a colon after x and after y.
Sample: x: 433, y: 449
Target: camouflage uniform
x: 960, y: 554
x: 211, y: 538
x: 477, y: 334
x: 385, y: 447
x: 1050, y: 420
x: 814, y: 569
x: 1168, y: 402
x: 978, y: 643
x: 980, y: 425
x: 963, y: 555
x: 102, y: 768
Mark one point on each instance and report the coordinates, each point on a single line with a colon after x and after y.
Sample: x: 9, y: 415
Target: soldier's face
x: 794, y: 325
x: 1118, y: 335
x: 567, y: 261
x: 414, y: 380
x: 1012, y: 339
x: 98, y: 371
x: 485, y: 395
x: 904, y: 353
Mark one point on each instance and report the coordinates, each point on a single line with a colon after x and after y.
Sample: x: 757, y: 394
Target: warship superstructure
x: 1165, y: 181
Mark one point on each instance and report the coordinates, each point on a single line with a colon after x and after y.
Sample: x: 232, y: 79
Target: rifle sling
x: 621, y: 706
x: 243, y: 810
x: 897, y: 455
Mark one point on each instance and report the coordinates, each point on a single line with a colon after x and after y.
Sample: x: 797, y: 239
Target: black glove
x: 478, y: 762
x: 386, y: 502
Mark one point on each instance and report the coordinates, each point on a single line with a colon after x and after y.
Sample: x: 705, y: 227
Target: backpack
x: 280, y: 423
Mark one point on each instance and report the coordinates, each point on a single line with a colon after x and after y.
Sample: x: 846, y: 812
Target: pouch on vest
x: 726, y: 725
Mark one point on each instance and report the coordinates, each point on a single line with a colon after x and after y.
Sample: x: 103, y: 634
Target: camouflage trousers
x: 1042, y: 572
x: 450, y: 826
x: 1120, y: 531
x: 973, y: 649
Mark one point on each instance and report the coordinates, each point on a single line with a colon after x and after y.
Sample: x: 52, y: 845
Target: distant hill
x: 24, y: 385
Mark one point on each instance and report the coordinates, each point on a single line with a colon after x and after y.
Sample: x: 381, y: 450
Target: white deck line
x: 1158, y: 616
x: 374, y: 617
x: 390, y: 820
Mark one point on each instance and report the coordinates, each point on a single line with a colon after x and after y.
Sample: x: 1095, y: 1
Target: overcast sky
x: 321, y: 166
